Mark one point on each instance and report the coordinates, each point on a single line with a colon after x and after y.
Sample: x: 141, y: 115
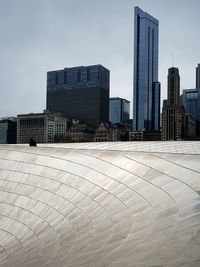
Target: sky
x: 43, y: 35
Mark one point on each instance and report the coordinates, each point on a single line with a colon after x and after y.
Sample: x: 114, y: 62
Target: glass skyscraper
x: 80, y: 92
x: 146, y: 88
x: 119, y: 110
x: 191, y: 102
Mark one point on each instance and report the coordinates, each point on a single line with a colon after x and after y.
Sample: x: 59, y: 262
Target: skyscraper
x: 198, y: 76
x: 8, y: 130
x: 173, y: 113
x: 191, y: 102
x: 119, y: 110
x: 81, y: 93
x: 146, y: 88
x: 173, y: 92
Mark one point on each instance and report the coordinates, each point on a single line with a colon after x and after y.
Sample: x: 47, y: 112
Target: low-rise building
x: 104, y: 132
x: 42, y: 127
x: 136, y: 136
x: 112, y: 132
x: 80, y: 132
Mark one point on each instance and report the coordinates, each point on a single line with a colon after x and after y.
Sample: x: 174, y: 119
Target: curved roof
x: 100, y: 204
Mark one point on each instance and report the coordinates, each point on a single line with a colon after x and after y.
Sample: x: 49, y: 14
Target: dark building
x: 80, y: 92
x: 173, y: 114
x: 198, y: 76
x: 119, y: 110
x: 191, y: 102
x: 8, y: 130
x: 146, y: 88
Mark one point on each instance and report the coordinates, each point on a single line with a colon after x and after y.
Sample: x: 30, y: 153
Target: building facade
x: 173, y: 114
x: 8, y: 130
x: 119, y: 110
x: 80, y: 133
x: 191, y: 102
x: 146, y: 88
x: 104, y: 132
x: 42, y: 127
x: 198, y: 76
x: 80, y: 92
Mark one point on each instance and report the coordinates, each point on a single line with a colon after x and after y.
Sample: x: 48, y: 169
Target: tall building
x: 8, y: 130
x: 173, y: 113
x: 198, y: 76
x: 146, y: 88
x: 191, y: 102
x: 119, y: 110
x: 81, y: 93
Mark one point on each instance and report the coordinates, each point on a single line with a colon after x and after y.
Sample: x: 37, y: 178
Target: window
x: 65, y: 77
x: 88, y: 75
x: 79, y: 76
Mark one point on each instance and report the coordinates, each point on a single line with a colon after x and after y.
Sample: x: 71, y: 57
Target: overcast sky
x: 42, y: 35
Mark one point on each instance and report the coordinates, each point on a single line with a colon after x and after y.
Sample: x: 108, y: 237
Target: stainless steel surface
x: 100, y: 204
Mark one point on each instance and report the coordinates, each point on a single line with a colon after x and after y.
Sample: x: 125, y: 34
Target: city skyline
x: 39, y: 37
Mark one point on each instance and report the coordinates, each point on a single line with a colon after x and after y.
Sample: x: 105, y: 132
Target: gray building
x: 42, y: 127
x: 146, y: 88
x: 198, y: 76
x: 119, y: 110
x: 173, y: 114
x: 80, y: 92
x: 8, y: 130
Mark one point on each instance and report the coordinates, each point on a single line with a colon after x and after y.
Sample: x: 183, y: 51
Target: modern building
x: 42, y: 127
x: 173, y: 114
x: 191, y: 102
x: 198, y: 76
x: 146, y: 88
x: 122, y: 204
x: 80, y: 92
x: 119, y: 110
x: 8, y: 130
x: 190, y: 127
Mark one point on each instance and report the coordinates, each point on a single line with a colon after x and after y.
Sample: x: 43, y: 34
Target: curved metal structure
x: 100, y: 204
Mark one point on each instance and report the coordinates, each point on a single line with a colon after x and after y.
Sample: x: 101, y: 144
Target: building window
x: 79, y: 76
x: 65, y: 77
x: 98, y: 73
x: 56, y: 80
x: 88, y: 74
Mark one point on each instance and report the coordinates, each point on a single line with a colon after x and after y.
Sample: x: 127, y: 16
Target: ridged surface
x: 100, y: 204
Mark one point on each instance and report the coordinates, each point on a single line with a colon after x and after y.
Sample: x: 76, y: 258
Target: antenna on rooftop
x: 172, y: 59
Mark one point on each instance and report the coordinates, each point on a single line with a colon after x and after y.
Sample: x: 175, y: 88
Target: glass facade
x: 191, y: 102
x: 81, y: 93
x: 8, y: 131
x: 146, y: 101
x: 119, y: 110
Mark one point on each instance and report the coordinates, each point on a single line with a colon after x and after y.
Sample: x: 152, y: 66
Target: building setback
x: 119, y: 110
x: 173, y: 113
x: 146, y: 88
x: 81, y: 93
